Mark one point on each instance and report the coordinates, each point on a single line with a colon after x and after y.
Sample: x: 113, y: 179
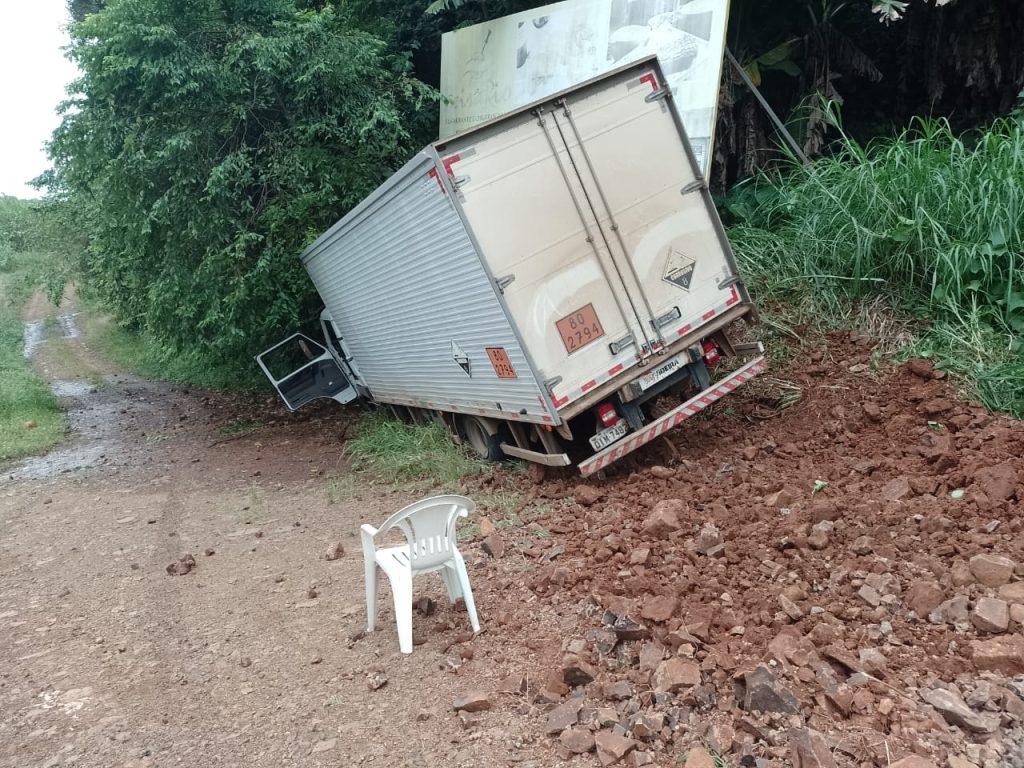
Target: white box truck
x: 537, y: 283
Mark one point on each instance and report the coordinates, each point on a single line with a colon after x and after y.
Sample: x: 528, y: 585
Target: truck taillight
x: 606, y: 414
x: 711, y: 352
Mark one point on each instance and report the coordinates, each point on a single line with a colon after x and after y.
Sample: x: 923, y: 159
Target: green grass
x: 341, y: 488
x: 237, y: 427
x: 931, y: 222
x: 148, y: 359
x: 402, y: 453
x: 25, y: 399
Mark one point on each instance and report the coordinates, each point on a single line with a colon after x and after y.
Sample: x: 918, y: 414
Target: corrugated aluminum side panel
x: 403, y: 282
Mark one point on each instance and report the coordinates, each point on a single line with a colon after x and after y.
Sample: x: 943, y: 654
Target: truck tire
x: 475, y: 434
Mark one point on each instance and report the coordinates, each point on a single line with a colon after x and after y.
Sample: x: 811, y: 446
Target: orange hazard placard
x: 579, y: 328
x: 502, y: 365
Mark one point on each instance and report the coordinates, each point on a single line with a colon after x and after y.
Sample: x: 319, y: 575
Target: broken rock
x: 897, y: 489
x: 913, y: 761
x: 709, y: 538
x: 818, y: 538
x: 611, y: 747
x: 698, y: 757
x: 659, y: 608
x: 472, y: 701
x: 956, y: 712
x: 577, y: 740
x: 923, y: 596
x: 336, y: 552
x: 576, y: 672
x: 952, y: 611
x: 183, y: 565
x: 808, y: 749
x: 791, y: 609
x: 675, y: 674
x: 998, y: 482
x: 587, y: 495
x: 664, y: 518
x: 1013, y: 593
x: 625, y: 627
x: 494, y: 546
x: 991, y: 570
x: 1001, y: 654
x: 564, y: 716
x: 990, y: 615
x: 486, y: 526
x: 763, y: 693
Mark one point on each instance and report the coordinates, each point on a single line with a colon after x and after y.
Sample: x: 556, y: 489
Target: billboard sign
x: 492, y: 68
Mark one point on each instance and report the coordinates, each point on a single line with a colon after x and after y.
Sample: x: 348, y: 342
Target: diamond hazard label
x: 461, y: 358
x: 678, y: 269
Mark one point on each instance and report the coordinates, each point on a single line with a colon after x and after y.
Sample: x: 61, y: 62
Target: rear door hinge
x: 504, y: 282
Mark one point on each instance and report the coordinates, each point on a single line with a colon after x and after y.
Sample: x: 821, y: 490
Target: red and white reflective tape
x: 674, y: 418
x: 447, y: 162
x: 535, y: 418
x: 577, y: 392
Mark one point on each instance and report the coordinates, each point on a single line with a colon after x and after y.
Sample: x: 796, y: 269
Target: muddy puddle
x: 95, y: 403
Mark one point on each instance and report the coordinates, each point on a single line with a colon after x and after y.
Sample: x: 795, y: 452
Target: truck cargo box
x: 531, y: 269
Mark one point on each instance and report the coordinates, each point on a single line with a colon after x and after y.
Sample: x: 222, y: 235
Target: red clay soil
x: 831, y: 545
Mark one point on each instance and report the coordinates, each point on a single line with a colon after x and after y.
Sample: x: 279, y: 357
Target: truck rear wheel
x: 476, y: 432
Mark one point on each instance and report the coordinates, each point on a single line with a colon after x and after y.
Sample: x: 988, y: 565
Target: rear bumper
x: 673, y: 418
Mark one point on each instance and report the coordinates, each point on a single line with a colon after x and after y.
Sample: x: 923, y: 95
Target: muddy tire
x: 479, y: 440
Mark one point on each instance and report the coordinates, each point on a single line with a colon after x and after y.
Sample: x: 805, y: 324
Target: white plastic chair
x: 429, y: 528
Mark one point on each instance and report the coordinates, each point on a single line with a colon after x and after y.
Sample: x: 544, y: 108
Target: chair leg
x: 401, y: 590
x: 371, y: 573
x: 467, y: 591
x: 450, y: 578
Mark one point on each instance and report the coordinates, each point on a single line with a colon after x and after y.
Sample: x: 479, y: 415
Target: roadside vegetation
x: 31, y: 419
x: 930, y: 221
x: 405, y: 453
x: 146, y: 356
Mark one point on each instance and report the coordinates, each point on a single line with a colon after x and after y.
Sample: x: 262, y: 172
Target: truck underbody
x: 636, y: 409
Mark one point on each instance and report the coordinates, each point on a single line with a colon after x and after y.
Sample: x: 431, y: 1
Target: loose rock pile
x: 840, y: 586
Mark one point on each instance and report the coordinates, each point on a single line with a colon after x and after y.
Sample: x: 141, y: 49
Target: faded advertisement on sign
x: 492, y: 68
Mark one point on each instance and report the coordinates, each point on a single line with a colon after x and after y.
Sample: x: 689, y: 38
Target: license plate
x: 607, y: 437
x: 648, y: 380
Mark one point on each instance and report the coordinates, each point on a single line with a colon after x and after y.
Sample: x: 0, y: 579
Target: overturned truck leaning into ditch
x: 535, y: 283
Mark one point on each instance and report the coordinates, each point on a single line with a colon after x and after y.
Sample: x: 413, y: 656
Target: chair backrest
x: 429, y: 527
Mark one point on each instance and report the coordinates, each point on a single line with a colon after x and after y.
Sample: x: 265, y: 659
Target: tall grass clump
x: 929, y: 219
x: 31, y: 419
x: 400, y: 452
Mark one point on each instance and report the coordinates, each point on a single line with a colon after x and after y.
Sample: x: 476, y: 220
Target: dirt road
x: 107, y: 660
x: 839, y: 582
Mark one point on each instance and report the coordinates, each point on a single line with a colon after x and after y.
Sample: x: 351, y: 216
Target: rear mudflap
x: 673, y: 418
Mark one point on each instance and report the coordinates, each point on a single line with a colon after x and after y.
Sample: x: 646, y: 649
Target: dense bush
x: 932, y: 220
x: 210, y: 141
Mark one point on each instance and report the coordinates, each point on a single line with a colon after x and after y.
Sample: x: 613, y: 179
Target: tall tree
x: 79, y: 9
x: 208, y: 141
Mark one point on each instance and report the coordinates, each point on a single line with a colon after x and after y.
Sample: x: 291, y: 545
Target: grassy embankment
x: 930, y: 222
x: 31, y: 419
x: 148, y: 359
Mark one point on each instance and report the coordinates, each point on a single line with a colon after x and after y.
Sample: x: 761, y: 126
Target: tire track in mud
x: 97, y: 400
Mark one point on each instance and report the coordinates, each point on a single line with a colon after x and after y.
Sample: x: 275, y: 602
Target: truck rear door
x: 590, y: 212
x: 651, y: 200
x: 540, y: 239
